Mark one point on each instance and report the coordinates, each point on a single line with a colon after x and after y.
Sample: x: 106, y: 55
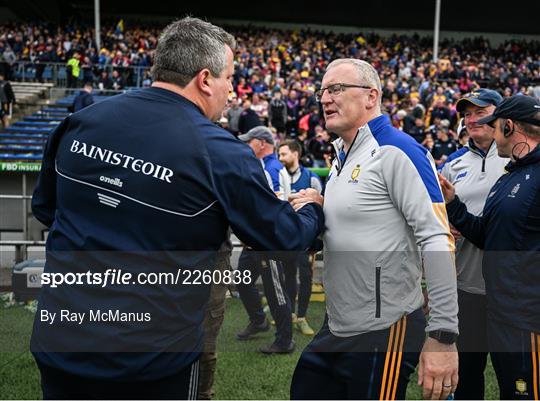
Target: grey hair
x: 187, y: 46
x: 366, y: 72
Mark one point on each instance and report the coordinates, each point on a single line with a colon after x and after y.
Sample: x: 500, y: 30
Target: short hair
x: 366, y: 71
x: 187, y: 46
x: 530, y: 130
x: 293, y: 145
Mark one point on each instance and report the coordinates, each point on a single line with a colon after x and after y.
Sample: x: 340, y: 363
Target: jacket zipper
x: 378, y: 291
x: 483, y: 165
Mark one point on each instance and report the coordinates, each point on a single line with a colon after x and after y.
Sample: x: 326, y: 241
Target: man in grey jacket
x: 385, y: 220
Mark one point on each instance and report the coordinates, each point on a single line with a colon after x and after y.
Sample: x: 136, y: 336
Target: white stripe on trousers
x: 193, y: 381
x: 277, y: 283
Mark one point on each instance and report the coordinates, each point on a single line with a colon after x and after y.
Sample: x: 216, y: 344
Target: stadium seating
x: 24, y: 140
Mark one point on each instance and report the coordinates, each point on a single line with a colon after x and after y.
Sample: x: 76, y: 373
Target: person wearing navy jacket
x: 84, y: 98
x: 509, y: 233
x: 145, y: 184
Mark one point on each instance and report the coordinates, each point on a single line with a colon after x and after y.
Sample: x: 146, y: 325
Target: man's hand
x: 305, y: 196
x: 457, y: 235
x: 448, y: 190
x: 438, y: 369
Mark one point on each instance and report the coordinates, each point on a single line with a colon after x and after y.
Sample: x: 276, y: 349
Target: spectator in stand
x: 117, y: 81
x: 233, y: 115
x: 417, y: 131
x: 293, y: 112
x: 7, y: 100
x: 243, y: 88
x: 104, y: 82
x: 73, y: 67
x: 260, y: 106
x: 248, y: 118
x: 417, y: 109
x: 440, y: 110
x: 277, y: 113
x: 444, y: 146
x: 321, y: 148
x: 428, y: 142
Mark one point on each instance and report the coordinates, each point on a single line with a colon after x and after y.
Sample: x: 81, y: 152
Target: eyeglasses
x: 336, y: 89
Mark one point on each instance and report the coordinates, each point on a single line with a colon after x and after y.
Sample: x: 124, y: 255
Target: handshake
x: 305, y: 196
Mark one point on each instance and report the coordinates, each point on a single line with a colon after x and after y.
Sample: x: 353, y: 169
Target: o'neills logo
x: 119, y: 159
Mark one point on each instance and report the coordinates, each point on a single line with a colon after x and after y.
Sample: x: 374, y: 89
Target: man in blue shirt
x: 139, y: 193
x: 290, y: 152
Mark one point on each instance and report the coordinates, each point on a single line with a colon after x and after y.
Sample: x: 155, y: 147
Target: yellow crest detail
x: 355, y: 173
x: 521, y: 386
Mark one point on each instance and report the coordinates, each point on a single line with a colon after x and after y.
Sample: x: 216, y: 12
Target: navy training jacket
x: 145, y: 182
x: 509, y: 233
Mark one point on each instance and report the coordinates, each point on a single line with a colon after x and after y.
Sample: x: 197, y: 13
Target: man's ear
x: 203, y: 79
x: 373, y: 98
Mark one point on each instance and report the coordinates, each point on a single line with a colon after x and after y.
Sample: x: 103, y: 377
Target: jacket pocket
x: 378, y: 291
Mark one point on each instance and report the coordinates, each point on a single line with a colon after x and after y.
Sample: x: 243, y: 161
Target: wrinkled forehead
x: 346, y: 73
x: 472, y: 108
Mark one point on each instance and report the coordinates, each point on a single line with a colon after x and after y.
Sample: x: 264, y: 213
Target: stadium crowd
x: 278, y: 71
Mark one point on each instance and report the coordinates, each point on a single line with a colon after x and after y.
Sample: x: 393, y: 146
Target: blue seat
x: 20, y: 156
x: 37, y: 124
x: 58, y: 109
x: 29, y: 130
x: 20, y: 148
x: 43, y: 119
x: 22, y: 141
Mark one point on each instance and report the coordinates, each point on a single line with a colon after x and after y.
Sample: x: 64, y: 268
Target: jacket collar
x: 374, y: 126
x: 531, y: 158
x: 475, y: 149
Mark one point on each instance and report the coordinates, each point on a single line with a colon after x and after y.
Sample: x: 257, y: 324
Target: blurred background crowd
x: 278, y: 72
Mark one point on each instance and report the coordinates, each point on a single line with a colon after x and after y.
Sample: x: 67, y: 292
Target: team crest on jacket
x: 521, y: 387
x: 354, y: 175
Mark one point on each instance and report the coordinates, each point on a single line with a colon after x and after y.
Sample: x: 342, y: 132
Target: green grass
x: 242, y: 372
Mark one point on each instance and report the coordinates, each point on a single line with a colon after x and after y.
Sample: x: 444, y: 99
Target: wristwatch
x: 445, y: 337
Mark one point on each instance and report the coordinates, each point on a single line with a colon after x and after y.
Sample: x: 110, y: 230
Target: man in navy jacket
x: 146, y: 184
x: 84, y: 98
x: 509, y: 233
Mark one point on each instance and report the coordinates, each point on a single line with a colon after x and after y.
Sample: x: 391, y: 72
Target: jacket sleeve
x: 414, y: 189
x: 44, y: 197
x: 256, y: 215
x: 470, y: 226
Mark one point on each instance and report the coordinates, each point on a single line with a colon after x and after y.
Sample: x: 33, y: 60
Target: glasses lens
x: 334, y: 89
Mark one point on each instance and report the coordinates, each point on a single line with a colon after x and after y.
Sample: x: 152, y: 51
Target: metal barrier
x: 59, y: 93
x: 27, y: 71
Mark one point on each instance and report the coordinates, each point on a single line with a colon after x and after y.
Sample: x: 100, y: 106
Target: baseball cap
x: 518, y: 108
x: 261, y: 132
x: 480, y: 98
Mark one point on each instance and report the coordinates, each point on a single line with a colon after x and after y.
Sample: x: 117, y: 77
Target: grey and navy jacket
x: 385, y: 219
x: 509, y: 233
x: 281, y: 182
x: 145, y: 182
x: 472, y: 172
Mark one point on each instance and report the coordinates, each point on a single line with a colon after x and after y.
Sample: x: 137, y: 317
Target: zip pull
x: 483, y: 165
